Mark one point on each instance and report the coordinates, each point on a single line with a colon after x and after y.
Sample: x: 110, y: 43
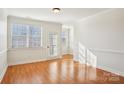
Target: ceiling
x: 66, y: 15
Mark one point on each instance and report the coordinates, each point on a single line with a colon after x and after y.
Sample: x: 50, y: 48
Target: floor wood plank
x: 59, y: 71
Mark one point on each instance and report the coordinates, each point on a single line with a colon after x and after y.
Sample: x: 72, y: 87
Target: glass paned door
x: 53, y: 47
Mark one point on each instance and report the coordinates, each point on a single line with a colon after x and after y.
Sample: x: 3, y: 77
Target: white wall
x: 3, y: 43
x: 28, y: 55
x: 103, y: 35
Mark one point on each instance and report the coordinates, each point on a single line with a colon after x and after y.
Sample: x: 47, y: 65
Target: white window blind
x: 24, y: 36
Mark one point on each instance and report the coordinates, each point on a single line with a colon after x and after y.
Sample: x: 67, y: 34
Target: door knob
x: 48, y: 47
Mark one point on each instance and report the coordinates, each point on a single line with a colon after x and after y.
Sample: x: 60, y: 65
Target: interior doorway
x: 67, y: 39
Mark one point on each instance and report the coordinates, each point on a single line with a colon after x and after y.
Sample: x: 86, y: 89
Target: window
x: 24, y: 36
x: 19, y: 36
x: 34, y: 36
x: 65, y: 38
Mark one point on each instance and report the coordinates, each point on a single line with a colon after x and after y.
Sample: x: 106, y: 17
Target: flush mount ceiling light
x: 56, y: 10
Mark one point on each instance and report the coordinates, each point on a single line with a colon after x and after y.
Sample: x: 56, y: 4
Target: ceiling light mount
x: 56, y: 10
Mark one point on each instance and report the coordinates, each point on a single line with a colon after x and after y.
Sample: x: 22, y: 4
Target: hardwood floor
x: 63, y: 70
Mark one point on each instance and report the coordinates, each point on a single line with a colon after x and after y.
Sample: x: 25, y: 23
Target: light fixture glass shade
x: 56, y: 10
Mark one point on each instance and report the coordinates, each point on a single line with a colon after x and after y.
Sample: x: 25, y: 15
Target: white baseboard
x: 31, y: 61
x: 111, y: 70
x: 108, y: 69
x: 25, y: 62
x: 67, y: 53
x: 3, y: 73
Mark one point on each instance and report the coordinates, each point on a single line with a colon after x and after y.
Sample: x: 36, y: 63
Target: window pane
x: 53, y: 44
x: 64, y: 37
x: 19, y: 29
x: 19, y: 34
x: 19, y: 42
x: 35, y: 36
